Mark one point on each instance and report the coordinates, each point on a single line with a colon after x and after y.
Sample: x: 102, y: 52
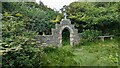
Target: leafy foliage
x: 18, y: 43
x: 37, y: 16
x: 19, y: 48
x: 89, y: 35
x: 101, y: 16
x: 23, y: 21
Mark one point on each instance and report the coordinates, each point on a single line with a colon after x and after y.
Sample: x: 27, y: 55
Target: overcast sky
x: 56, y: 4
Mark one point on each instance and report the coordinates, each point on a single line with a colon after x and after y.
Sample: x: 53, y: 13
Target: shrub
x: 26, y: 57
x: 18, y: 43
x: 90, y: 35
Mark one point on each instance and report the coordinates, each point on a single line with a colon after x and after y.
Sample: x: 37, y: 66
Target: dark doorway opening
x: 65, y: 37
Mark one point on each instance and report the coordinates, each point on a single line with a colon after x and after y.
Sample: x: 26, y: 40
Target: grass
x: 96, y: 53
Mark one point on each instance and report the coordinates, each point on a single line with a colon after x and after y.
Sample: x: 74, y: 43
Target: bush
x: 90, y: 35
x: 26, y: 57
x: 18, y: 43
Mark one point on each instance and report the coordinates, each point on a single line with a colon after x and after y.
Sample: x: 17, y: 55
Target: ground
x: 96, y: 53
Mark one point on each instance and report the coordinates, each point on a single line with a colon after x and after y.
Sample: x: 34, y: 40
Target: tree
x: 21, y: 23
x: 38, y: 16
x: 101, y: 16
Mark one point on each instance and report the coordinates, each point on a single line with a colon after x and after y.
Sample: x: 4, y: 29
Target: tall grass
x: 96, y: 53
x: 59, y: 56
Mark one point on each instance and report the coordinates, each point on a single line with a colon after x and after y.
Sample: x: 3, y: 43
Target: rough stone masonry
x: 56, y: 37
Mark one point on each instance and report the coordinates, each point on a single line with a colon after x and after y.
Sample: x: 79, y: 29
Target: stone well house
x: 56, y: 37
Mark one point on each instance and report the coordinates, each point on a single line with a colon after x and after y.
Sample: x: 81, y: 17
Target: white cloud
x: 57, y: 4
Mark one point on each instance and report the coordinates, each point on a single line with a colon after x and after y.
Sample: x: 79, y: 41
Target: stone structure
x: 56, y: 37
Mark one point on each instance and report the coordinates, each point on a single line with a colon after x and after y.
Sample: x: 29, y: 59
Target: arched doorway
x: 65, y: 37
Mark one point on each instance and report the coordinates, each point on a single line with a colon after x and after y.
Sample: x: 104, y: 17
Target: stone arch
x: 56, y: 37
x: 70, y: 31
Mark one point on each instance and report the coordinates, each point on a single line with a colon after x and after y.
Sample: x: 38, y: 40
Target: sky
x: 56, y: 4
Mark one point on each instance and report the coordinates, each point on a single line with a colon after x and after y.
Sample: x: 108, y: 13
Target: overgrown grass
x: 59, y: 56
x: 96, y: 53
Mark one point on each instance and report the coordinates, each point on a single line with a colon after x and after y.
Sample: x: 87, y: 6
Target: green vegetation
x: 37, y: 17
x: 96, y: 53
x: 22, y: 21
x: 19, y: 48
x: 89, y: 35
x: 101, y: 16
x: 65, y: 37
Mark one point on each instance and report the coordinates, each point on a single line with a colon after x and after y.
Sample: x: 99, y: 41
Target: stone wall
x: 46, y: 39
x: 56, y: 37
